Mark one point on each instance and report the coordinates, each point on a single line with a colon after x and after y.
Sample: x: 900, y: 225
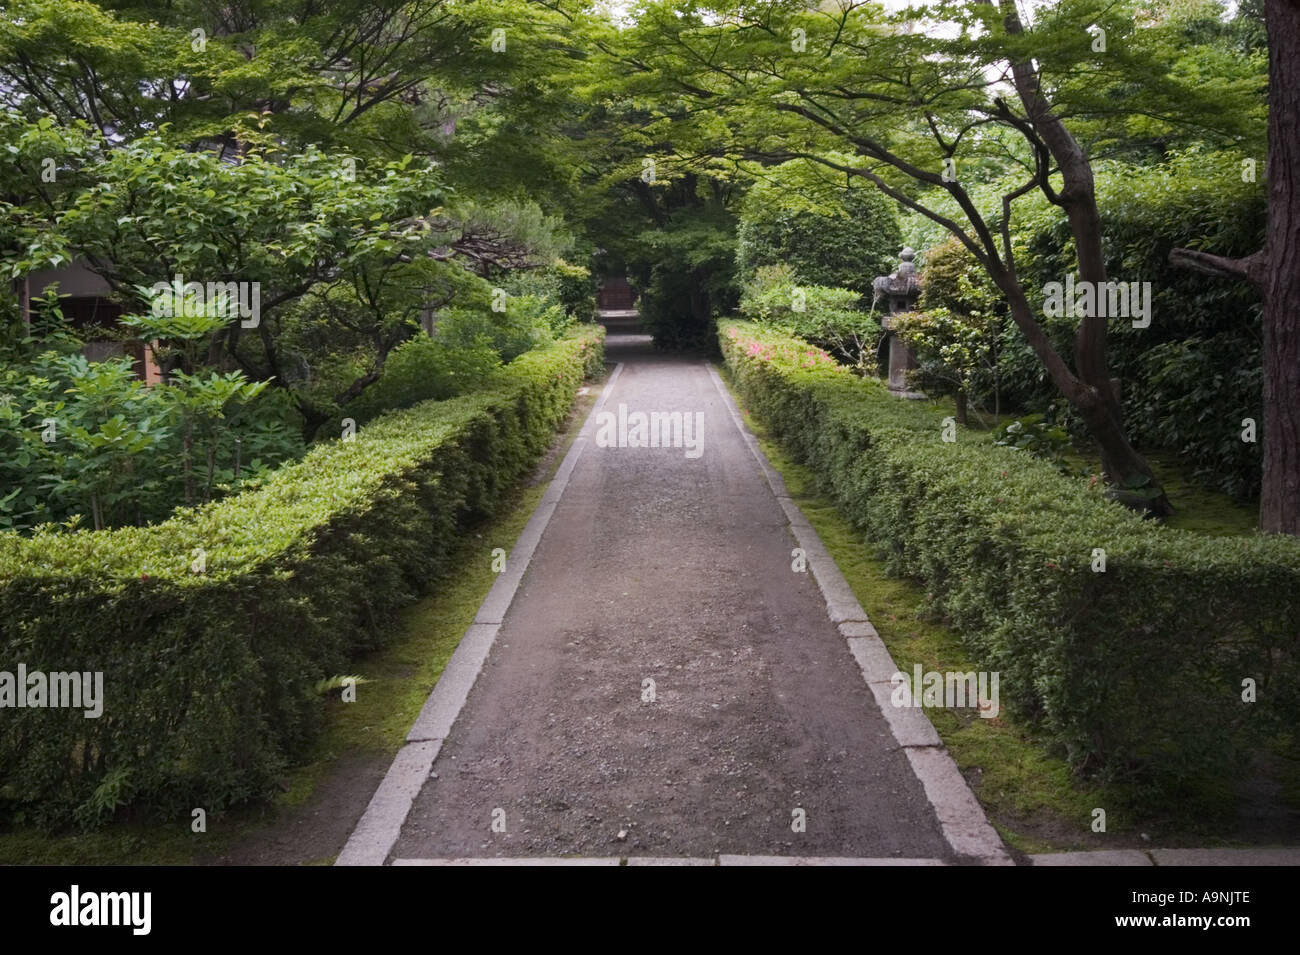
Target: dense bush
x: 955, y: 332
x: 952, y: 351
x: 425, y: 368
x: 527, y: 322
x: 208, y: 675
x: 576, y: 289
x: 572, y: 287
x: 830, y: 317
x: 1135, y: 671
x: 1192, y: 376
x: 89, y: 442
x: 833, y: 234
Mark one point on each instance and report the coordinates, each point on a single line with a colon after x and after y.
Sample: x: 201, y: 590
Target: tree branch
x: 1252, y: 269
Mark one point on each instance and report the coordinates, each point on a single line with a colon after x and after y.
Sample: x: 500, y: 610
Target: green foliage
x: 571, y: 287
x: 527, y: 322
x: 687, y: 275
x: 955, y: 333
x: 829, y: 317
x: 952, y: 278
x: 423, y: 369
x: 951, y: 350
x: 1196, y: 372
x: 1034, y: 435
x: 209, y: 676
x: 1135, y: 672
x: 84, y: 441
x: 577, y: 290
x: 345, y: 254
x: 830, y: 231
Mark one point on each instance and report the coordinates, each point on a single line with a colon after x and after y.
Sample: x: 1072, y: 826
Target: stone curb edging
x: 1088, y: 858
x: 1273, y: 856
x: 722, y: 860
x: 379, y: 827
x: 959, y: 813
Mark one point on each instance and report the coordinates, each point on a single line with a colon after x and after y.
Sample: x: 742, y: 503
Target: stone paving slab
x: 1102, y: 857
x: 1248, y: 857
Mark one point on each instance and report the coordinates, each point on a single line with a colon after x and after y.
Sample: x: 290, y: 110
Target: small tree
x: 951, y: 349
x: 200, y: 401
x: 955, y: 332
x: 1002, y: 83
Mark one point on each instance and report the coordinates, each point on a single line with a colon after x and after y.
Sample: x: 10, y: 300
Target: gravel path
x: 659, y: 565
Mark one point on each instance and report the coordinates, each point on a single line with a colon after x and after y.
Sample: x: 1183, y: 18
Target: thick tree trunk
x: 312, y: 420
x: 1279, y: 502
x: 1275, y: 271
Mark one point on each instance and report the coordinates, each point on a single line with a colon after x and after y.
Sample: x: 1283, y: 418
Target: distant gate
x: 615, y: 293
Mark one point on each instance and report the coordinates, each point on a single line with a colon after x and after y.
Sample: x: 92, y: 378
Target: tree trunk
x: 1275, y: 271
x: 1089, y: 387
x: 1123, y: 467
x: 1279, y: 500
x: 961, y: 402
x: 313, y: 419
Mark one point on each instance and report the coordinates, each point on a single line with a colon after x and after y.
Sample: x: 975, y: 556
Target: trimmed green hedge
x: 208, y: 676
x: 1137, y: 672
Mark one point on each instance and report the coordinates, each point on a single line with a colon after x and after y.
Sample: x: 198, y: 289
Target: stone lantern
x: 900, y: 291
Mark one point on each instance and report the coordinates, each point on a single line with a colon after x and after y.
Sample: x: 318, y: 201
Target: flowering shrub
x: 829, y: 317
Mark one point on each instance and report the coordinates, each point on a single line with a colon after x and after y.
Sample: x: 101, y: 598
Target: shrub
x: 209, y: 676
x: 956, y: 331
x: 571, y: 287
x: 424, y: 369
x: 951, y: 351
x: 576, y: 290
x: 87, y: 440
x: 829, y: 317
x: 1135, y: 672
x: 527, y: 322
x: 1034, y: 436
x: 1202, y: 349
x: 832, y: 234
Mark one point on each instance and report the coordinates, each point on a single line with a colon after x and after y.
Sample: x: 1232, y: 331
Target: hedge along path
x: 660, y: 566
x: 1136, y: 670
x: 208, y: 676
